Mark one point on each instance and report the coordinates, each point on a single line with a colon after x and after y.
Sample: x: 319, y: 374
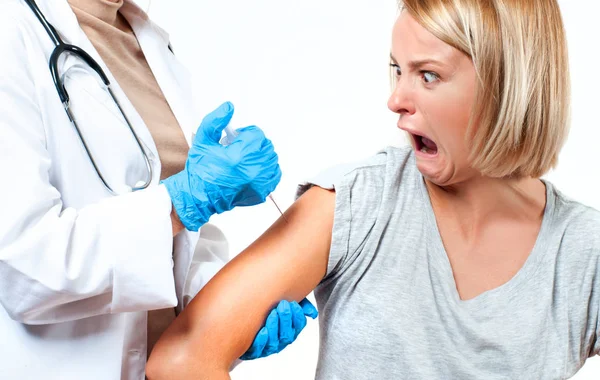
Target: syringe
x: 230, y: 135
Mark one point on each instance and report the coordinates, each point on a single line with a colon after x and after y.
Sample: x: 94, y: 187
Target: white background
x: 313, y: 75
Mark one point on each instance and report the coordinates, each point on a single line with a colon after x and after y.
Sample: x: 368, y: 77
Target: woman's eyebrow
x: 422, y: 62
x: 419, y: 63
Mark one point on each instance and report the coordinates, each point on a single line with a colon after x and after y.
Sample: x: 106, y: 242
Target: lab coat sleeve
x: 56, y: 263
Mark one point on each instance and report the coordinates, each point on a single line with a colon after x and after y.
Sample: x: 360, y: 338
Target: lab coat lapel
x: 173, y: 78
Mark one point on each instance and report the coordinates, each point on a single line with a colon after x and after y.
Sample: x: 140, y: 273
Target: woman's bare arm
x: 218, y: 326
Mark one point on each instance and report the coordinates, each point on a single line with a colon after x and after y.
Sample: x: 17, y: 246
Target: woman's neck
x: 477, y: 201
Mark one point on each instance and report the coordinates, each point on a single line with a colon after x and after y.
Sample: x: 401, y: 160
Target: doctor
x: 82, y: 256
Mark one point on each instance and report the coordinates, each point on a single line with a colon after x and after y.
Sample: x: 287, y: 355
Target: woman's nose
x: 401, y: 100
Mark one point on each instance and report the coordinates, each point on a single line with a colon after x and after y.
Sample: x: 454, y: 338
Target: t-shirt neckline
x: 437, y: 252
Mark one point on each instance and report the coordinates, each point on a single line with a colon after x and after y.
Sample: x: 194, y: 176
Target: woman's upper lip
x: 414, y: 132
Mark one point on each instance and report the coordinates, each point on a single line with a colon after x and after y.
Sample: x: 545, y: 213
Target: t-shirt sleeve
x: 358, y: 188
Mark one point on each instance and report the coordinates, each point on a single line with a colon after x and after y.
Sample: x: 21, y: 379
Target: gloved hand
x: 218, y: 178
x: 282, y: 327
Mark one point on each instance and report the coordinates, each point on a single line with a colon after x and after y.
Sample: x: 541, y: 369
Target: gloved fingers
x: 286, y: 330
x: 270, y: 171
x: 298, y: 319
x: 260, y: 341
x: 266, y: 143
x: 212, y: 125
x: 309, y: 309
x: 260, y: 172
x: 270, y: 184
x: 272, y: 325
x: 249, y: 145
x: 261, y: 187
x: 252, y: 130
x: 250, y: 137
x: 252, y: 144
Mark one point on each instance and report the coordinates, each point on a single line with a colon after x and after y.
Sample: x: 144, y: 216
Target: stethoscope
x: 61, y: 48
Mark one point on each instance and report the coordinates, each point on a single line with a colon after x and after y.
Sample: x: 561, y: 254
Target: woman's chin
x: 434, y: 170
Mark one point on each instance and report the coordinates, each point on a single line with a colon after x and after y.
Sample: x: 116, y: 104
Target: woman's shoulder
x: 374, y: 173
x: 362, y: 198
x: 574, y: 214
x: 576, y: 226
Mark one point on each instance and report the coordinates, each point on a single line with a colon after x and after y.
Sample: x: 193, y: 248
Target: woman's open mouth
x: 424, y: 145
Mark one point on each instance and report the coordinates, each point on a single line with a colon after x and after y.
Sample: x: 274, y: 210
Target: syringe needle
x: 278, y: 209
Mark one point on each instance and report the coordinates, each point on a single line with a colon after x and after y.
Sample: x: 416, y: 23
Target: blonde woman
x: 450, y: 259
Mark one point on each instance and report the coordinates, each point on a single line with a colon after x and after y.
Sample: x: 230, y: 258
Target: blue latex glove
x: 218, y: 178
x: 282, y: 327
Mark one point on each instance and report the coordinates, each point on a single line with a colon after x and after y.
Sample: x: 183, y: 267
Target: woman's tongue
x: 428, y: 146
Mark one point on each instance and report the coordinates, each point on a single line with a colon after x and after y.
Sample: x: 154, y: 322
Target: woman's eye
x: 395, y: 69
x: 429, y: 76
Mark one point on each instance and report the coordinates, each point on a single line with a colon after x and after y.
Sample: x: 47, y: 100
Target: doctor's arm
x: 287, y: 262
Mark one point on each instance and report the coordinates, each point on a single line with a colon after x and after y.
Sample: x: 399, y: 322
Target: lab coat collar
x: 136, y: 15
x: 60, y: 15
x: 170, y: 74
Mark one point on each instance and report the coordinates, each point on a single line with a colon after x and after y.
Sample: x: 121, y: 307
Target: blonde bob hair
x: 521, y: 115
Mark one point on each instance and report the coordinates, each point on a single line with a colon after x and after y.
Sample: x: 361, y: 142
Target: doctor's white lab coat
x: 78, y: 266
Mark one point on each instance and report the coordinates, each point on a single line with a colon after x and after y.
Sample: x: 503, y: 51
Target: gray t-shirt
x: 389, y: 308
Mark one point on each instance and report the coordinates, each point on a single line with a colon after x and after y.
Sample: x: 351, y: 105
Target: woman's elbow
x: 163, y: 364
x: 166, y: 363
